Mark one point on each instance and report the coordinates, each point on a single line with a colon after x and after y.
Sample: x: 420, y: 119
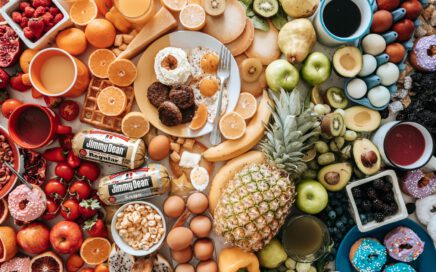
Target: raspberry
x: 47, y: 18
x: 24, y: 22
x: 17, y: 17
x: 43, y: 3
x: 28, y: 12
x: 53, y: 11
x: 28, y: 33
x: 58, y: 18
x: 48, y: 26
x: 24, y: 5
x: 39, y: 12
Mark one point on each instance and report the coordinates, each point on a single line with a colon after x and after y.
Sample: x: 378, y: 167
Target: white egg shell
x: 357, y: 88
x: 369, y: 65
x: 388, y: 73
x: 379, y: 96
x: 373, y: 44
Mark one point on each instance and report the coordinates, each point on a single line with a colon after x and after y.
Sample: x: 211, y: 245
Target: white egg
x: 388, y: 73
x: 357, y: 88
x: 373, y: 44
x: 379, y: 96
x: 369, y: 65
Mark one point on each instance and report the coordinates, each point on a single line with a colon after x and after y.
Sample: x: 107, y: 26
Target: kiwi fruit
x: 336, y: 98
x: 251, y: 69
x: 214, y: 7
x: 315, y: 96
x: 266, y: 8
x: 332, y: 124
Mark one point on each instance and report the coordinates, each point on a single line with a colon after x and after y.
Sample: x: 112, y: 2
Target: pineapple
x: 258, y: 199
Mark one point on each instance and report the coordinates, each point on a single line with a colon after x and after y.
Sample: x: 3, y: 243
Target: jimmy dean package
x: 103, y: 146
x: 134, y: 184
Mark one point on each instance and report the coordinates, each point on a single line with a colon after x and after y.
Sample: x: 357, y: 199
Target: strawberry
x: 39, y: 11
x: 37, y: 27
x: 47, y: 18
x: 52, y: 102
x: 89, y: 207
x: 4, y: 79
x: 17, y: 17
x: 17, y: 83
x: 54, y: 10
x: 28, y: 33
x: 24, y: 22
x: 36, y: 94
x: 48, y: 26
x: 58, y: 18
x: 95, y: 227
x: 24, y: 5
x: 28, y: 12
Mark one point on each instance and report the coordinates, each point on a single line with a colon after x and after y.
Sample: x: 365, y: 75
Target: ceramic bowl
x: 17, y: 164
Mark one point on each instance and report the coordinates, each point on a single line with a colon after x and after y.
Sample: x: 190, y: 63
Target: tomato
x: 9, y: 106
x: 89, y: 170
x: 52, y: 210
x: 65, y: 140
x: 89, y: 207
x: 70, y: 209
x: 74, y: 263
x: 69, y: 110
x: 80, y: 189
x: 64, y: 171
x: 55, y: 189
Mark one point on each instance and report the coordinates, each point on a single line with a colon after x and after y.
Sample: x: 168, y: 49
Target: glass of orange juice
x: 54, y: 72
x: 136, y: 11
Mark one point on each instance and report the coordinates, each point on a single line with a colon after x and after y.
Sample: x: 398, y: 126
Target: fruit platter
x: 217, y: 135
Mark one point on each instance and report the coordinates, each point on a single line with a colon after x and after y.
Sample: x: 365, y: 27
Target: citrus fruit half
x: 111, y: 101
x: 95, y: 250
x: 135, y: 125
x: 122, y: 72
x: 83, y: 12
x: 232, y: 126
x: 99, y: 62
x: 174, y: 5
x: 246, y: 106
x: 192, y: 17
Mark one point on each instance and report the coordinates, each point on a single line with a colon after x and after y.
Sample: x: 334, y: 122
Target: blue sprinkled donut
x: 399, y: 267
x: 368, y: 255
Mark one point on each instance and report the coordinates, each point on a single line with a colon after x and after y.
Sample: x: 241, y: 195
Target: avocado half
x: 347, y: 61
x: 366, y: 156
x: 362, y: 119
x: 335, y: 177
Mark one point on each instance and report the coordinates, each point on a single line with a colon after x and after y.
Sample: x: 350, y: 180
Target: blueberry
x: 351, y: 222
x: 332, y: 214
x: 335, y: 230
x: 339, y: 224
x: 340, y: 210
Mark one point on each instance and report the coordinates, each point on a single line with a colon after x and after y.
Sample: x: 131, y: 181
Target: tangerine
x: 25, y: 59
x: 72, y: 40
x: 100, y: 33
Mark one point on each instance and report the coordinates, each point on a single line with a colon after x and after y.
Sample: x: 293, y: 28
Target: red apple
x: 405, y: 29
x: 34, y: 238
x: 413, y: 9
x: 388, y: 4
x: 66, y: 237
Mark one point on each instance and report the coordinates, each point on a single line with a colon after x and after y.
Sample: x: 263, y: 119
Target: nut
x: 332, y: 178
x: 369, y: 158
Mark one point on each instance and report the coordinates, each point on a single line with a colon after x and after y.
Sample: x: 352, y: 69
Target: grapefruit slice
x: 4, y: 210
x: 232, y: 126
x: 99, y: 62
x: 111, y: 101
x: 243, y: 42
x: 200, y: 118
x: 246, y: 106
x: 47, y: 261
x: 193, y: 17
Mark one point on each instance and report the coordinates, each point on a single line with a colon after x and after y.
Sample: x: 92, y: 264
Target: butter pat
x: 189, y: 160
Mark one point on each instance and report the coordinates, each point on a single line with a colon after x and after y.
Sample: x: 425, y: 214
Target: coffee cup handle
x: 63, y: 129
x: 431, y: 165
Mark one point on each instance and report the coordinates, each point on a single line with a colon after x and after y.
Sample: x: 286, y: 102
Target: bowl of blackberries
x: 376, y: 201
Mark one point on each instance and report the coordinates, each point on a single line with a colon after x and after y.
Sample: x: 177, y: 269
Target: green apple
x: 312, y: 197
x: 316, y: 68
x: 280, y: 74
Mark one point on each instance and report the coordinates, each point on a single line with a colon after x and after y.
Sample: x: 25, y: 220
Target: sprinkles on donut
x: 368, y: 255
x: 403, y: 244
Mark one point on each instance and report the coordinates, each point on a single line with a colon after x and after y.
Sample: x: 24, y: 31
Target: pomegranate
x: 9, y: 46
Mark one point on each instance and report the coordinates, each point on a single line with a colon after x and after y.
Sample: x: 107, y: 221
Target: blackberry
x: 411, y: 207
x: 371, y: 193
x: 378, y: 184
x: 357, y: 192
x: 387, y: 187
x: 390, y: 197
x: 379, y: 217
x: 367, y: 205
x: 378, y: 205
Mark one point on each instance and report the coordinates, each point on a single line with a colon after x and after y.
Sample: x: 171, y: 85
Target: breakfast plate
x: 424, y: 261
x: 146, y: 76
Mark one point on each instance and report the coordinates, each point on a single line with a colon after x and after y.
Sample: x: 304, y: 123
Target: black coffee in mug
x: 342, y: 17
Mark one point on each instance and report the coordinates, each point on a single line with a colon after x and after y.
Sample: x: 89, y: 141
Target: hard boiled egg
x: 373, y: 44
x: 379, y: 96
x: 369, y: 65
x: 388, y: 73
x: 356, y: 88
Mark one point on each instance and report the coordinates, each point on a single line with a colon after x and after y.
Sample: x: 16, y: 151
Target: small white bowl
x: 123, y: 245
x: 401, y: 214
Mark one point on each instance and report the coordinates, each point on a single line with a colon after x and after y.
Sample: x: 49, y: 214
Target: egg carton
x: 390, y: 37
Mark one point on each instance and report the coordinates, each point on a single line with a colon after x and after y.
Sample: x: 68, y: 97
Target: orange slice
x: 122, y: 72
x: 95, y: 250
x: 83, y: 12
x: 135, y: 125
x: 232, y: 126
x: 174, y: 5
x: 111, y: 101
x: 193, y: 17
x: 246, y: 106
x: 99, y: 62
x: 200, y: 118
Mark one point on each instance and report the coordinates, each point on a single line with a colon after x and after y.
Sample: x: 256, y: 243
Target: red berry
x: 54, y: 11
x: 28, y: 12
x: 16, y: 16
x: 48, y: 27
x: 47, y: 18
x: 39, y: 11
x: 24, y: 5
x: 28, y: 33
x: 58, y: 18
x: 43, y: 3
x: 24, y: 22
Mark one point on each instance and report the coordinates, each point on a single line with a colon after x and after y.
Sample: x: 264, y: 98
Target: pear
x: 272, y: 255
x: 296, y: 39
x: 300, y: 8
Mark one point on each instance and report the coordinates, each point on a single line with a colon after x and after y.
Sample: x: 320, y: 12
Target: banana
x: 227, y: 172
x: 230, y: 149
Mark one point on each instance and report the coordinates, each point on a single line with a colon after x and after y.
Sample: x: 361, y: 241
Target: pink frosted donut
x: 16, y: 264
x: 25, y: 204
x: 419, y: 184
x: 403, y: 244
x: 423, y: 54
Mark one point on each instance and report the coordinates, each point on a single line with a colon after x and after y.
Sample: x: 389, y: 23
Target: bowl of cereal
x: 138, y: 228
x: 8, y: 153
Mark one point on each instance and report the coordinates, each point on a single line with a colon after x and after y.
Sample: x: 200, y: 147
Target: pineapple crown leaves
x: 290, y: 133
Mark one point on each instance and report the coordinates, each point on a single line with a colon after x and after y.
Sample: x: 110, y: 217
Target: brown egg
x: 203, y: 249
x: 182, y: 256
x: 207, y: 266
x: 197, y: 203
x: 179, y: 238
x: 382, y: 21
x: 184, y: 268
x: 396, y: 52
x: 201, y: 226
x: 159, y: 148
x: 174, y: 206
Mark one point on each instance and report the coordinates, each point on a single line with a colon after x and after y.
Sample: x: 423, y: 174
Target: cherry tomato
x: 9, y: 106
x: 80, y: 189
x: 69, y: 110
x: 89, y: 170
x: 64, y: 171
x: 55, y: 189
x: 70, y: 209
x: 51, y: 211
x: 74, y: 262
x: 65, y: 140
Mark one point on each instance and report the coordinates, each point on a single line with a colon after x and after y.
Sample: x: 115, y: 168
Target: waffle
x: 90, y: 113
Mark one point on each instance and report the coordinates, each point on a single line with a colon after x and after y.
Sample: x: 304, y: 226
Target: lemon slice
x: 232, y: 126
x: 135, y: 125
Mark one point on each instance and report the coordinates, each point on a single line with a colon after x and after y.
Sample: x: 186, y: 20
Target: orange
x: 122, y: 72
x: 100, y: 33
x: 72, y: 40
x: 200, y: 118
x: 101, y: 268
x: 209, y: 86
x: 193, y: 17
x: 135, y: 125
x: 83, y: 12
x: 232, y: 126
x: 25, y: 59
x: 74, y: 262
x: 95, y: 250
x: 111, y: 101
x: 99, y: 62
x: 246, y: 106
x: 174, y: 5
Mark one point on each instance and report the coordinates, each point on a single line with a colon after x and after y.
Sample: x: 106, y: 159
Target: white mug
x: 329, y: 39
x: 427, y: 160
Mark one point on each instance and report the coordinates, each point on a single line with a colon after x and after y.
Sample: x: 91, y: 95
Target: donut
x: 418, y: 184
x: 17, y: 264
x: 425, y: 209
x: 399, y: 267
x: 368, y: 255
x: 423, y: 55
x: 26, y: 204
x: 403, y: 244
x: 431, y: 228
